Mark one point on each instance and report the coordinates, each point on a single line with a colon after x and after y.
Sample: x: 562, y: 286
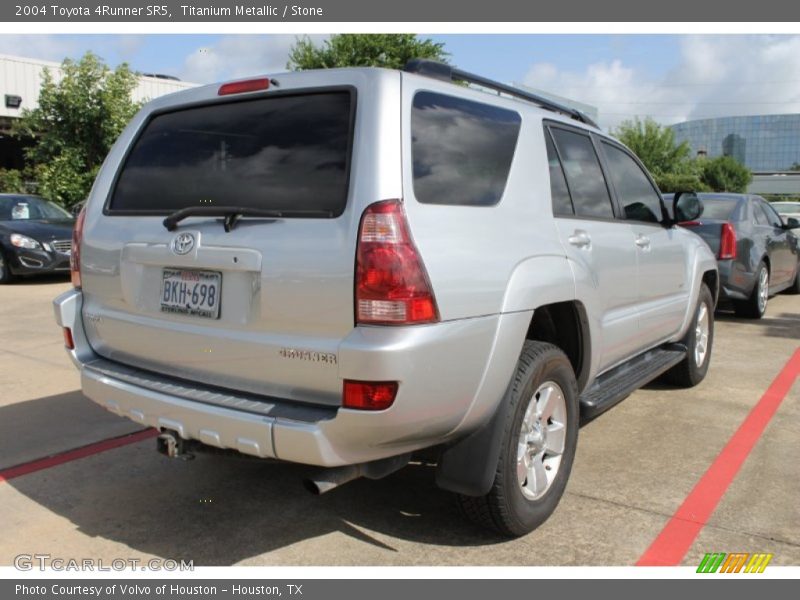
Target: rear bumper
x: 450, y: 381
x: 735, y: 282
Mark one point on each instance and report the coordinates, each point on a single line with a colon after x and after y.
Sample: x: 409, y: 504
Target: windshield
x: 30, y: 208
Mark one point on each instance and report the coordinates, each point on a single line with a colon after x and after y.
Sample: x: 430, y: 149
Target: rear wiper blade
x: 233, y: 213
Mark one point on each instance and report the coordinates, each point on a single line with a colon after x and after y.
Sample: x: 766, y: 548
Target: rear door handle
x: 580, y: 239
x: 643, y: 241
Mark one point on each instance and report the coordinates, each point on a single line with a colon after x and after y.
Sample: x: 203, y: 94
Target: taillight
x: 690, y: 223
x: 239, y: 87
x: 392, y: 286
x: 69, y: 343
x: 75, y: 254
x: 369, y: 395
x: 727, y: 242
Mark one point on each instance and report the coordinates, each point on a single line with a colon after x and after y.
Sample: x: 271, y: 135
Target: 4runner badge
x: 183, y: 243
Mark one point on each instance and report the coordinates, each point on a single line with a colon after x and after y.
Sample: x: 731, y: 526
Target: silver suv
x: 350, y: 268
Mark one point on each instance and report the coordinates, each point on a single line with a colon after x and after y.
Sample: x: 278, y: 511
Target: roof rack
x: 445, y: 72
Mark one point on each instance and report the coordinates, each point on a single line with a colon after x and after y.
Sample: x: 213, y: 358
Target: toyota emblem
x: 183, y: 243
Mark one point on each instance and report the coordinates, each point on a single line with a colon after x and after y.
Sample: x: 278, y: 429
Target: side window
x: 587, y: 185
x: 562, y: 204
x: 636, y: 194
x: 772, y: 216
x: 461, y: 150
x: 760, y: 215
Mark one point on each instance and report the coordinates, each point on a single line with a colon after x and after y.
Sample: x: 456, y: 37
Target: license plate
x: 194, y: 293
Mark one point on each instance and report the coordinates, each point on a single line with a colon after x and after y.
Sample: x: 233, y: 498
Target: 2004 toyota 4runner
x: 346, y: 268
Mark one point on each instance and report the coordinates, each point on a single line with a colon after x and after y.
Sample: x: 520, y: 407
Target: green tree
x: 681, y: 182
x: 725, y: 174
x: 670, y: 164
x: 12, y: 181
x: 78, y: 119
x: 389, y: 50
x: 655, y: 146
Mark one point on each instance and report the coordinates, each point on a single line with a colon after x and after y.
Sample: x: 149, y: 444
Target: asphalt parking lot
x: 635, y: 466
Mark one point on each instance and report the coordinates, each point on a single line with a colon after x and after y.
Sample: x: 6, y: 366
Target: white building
x: 20, y: 81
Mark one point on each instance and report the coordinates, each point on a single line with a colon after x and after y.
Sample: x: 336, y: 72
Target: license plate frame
x: 182, y: 292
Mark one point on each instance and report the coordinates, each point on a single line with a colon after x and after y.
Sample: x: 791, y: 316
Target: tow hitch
x: 169, y: 443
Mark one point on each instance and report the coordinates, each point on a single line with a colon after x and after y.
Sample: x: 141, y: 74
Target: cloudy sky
x: 668, y: 77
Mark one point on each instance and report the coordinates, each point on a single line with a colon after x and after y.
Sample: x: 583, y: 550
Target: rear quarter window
x: 288, y: 152
x: 461, y: 150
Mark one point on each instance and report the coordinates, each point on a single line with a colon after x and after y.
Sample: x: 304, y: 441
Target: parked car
x: 348, y: 268
x: 757, y: 252
x: 788, y: 210
x: 35, y: 237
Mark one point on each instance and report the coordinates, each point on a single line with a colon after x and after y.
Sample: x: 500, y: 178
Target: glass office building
x: 763, y: 143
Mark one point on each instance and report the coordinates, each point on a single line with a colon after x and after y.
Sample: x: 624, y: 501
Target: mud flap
x: 468, y: 467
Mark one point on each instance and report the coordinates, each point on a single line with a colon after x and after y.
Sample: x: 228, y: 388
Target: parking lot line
x: 75, y: 454
x: 678, y: 535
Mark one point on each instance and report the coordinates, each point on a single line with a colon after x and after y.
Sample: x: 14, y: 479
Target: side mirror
x: 791, y: 223
x: 686, y: 206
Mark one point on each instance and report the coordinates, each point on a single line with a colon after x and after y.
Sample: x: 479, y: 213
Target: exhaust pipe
x: 325, y: 480
x: 170, y: 444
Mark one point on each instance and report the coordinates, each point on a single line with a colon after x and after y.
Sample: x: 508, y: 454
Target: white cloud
x: 714, y: 76
x: 239, y: 56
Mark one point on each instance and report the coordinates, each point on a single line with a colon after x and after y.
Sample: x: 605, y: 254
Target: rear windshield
x: 281, y: 153
x: 718, y: 208
x: 462, y: 150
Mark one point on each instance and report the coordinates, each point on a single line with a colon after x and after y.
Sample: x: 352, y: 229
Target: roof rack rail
x: 445, y: 72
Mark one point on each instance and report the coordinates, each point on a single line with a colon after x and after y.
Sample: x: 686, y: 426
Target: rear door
x: 262, y: 307
x: 599, y: 246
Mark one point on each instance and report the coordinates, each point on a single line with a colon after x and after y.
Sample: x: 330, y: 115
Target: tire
x: 699, y: 341
x: 756, y: 305
x: 6, y: 276
x: 516, y: 505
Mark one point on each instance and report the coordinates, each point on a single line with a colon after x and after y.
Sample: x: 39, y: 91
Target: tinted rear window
x: 462, y: 150
x: 718, y: 208
x: 587, y: 185
x: 281, y: 152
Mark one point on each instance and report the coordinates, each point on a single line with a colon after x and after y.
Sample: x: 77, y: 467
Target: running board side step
x: 620, y: 382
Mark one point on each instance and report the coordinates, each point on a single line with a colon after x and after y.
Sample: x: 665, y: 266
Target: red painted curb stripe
x: 77, y: 453
x: 678, y: 535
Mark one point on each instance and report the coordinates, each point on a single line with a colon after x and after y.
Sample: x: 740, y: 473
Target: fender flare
x: 468, y: 466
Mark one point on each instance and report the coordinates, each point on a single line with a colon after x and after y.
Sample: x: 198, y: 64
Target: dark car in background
x: 756, y: 251
x: 35, y: 237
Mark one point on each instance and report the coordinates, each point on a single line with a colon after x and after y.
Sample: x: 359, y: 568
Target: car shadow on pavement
x: 221, y: 510
x: 782, y: 324
x: 38, y: 428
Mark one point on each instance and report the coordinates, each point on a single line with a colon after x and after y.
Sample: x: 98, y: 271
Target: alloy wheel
x: 763, y: 290
x: 542, y: 439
